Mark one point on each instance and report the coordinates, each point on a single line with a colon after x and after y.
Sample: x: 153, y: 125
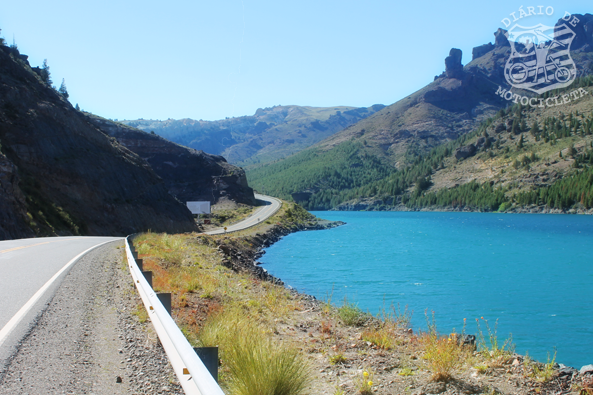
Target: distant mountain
x: 383, y: 155
x: 270, y: 134
x: 61, y: 173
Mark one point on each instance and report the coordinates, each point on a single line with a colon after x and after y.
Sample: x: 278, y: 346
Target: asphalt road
x: 269, y: 207
x: 31, y: 270
x: 87, y: 342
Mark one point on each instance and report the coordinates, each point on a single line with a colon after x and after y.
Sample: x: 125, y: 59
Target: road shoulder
x: 89, y: 340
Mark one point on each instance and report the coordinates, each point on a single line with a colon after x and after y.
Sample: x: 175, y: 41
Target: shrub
x: 326, y: 327
x: 337, y: 359
x: 443, y: 354
x: 542, y: 372
x: 406, y: 372
x: 351, y: 314
x: 396, y: 317
x: 587, y: 386
x: 493, y: 348
x: 382, y: 337
x: 254, y: 363
x: 364, y: 382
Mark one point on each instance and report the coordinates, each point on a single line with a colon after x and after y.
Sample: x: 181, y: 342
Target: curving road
x: 31, y: 270
x: 269, y: 207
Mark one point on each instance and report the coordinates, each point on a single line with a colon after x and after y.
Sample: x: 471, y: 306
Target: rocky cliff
x: 455, y: 102
x: 189, y: 175
x: 13, y: 206
x: 59, y: 174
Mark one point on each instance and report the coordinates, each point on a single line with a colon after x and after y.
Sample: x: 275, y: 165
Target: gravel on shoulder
x: 93, y: 338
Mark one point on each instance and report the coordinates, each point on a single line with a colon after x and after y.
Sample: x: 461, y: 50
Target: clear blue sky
x: 130, y: 59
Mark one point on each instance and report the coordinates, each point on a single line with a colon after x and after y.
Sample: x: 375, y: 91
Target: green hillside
x: 349, y: 165
x: 524, y: 157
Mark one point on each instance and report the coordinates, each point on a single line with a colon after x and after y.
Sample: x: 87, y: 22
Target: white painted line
x: 25, y: 309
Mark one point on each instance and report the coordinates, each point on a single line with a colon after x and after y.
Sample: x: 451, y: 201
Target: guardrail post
x: 139, y: 263
x: 209, y: 356
x: 148, y: 276
x: 165, y: 299
x: 184, y: 359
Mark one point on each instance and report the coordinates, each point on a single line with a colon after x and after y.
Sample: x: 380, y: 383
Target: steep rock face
x: 482, y: 50
x: 583, y: 40
x: 75, y: 179
x: 189, y: 175
x: 450, y: 106
x: 453, y: 66
x: 13, y: 208
x: 455, y: 101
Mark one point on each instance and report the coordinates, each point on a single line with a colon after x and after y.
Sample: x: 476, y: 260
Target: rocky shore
x: 243, y: 254
x: 379, y: 205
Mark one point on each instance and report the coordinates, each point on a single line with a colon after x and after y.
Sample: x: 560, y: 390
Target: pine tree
x: 63, y: 91
x: 535, y: 129
x: 520, y: 143
x: 515, y: 127
x: 524, y: 126
x: 45, y: 74
x: 77, y: 107
x: 516, y: 164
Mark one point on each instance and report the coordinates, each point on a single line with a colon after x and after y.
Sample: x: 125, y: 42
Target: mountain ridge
x: 456, y: 103
x: 271, y: 133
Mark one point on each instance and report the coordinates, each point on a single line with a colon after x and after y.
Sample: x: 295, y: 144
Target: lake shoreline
x: 243, y: 255
x: 374, y: 205
x: 277, y: 235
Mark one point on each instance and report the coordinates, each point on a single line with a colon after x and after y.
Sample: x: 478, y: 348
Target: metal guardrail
x: 193, y: 376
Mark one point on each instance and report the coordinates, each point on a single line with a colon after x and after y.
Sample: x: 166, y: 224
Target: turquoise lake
x: 531, y: 272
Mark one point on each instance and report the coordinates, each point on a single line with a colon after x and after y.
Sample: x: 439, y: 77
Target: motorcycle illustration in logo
x: 540, y: 58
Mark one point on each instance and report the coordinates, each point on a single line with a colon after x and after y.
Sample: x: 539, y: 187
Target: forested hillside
x: 520, y: 157
x: 454, y: 144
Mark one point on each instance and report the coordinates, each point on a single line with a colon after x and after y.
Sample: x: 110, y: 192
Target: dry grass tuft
x: 252, y: 362
x: 443, y: 354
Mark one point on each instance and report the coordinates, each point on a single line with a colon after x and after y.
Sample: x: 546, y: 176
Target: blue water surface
x: 531, y: 272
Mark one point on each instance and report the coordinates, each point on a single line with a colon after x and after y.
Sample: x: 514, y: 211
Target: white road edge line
x: 25, y: 309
